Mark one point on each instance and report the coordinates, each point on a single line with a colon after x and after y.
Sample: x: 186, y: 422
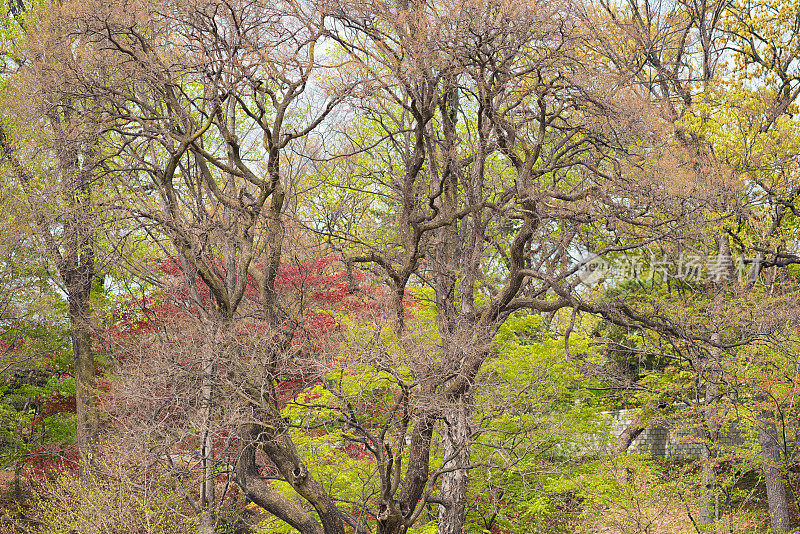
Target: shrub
x: 111, y: 505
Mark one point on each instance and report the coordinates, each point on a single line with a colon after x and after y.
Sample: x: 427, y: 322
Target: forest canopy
x: 327, y: 267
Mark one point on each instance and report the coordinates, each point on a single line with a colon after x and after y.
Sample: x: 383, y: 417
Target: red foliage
x: 312, y: 290
x: 50, y: 460
x: 289, y: 388
x: 312, y: 295
x: 58, y: 403
x: 9, y: 347
x: 356, y: 451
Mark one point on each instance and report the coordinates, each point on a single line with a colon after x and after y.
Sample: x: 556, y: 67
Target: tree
x: 195, y: 135
x: 495, y: 167
x: 161, y: 336
x: 66, y: 223
x: 728, y: 121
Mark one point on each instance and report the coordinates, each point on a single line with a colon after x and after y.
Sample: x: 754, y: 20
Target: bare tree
x: 196, y: 104
x: 492, y: 146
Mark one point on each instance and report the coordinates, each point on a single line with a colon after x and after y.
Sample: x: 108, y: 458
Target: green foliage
x: 631, y: 493
x: 36, y: 389
x: 540, y: 419
x: 430, y: 527
x: 26, y: 421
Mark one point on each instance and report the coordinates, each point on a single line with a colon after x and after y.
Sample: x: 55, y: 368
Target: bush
x: 67, y: 505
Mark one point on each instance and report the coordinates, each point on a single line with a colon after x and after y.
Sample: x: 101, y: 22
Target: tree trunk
x: 73, y: 255
x: 389, y: 518
x: 76, y: 265
x: 708, y: 507
x: 213, y: 349
x: 206, y: 522
x: 708, y: 510
x: 207, y: 518
x: 454, y: 483
x: 85, y: 387
x: 260, y: 492
x: 629, y: 435
x: 773, y: 476
x: 711, y: 414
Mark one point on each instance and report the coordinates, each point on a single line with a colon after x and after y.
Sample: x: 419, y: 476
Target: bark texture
x: 457, y: 442
x: 85, y: 389
x: 773, y: 474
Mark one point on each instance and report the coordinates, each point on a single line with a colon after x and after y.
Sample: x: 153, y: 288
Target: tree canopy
x: 399, y: 267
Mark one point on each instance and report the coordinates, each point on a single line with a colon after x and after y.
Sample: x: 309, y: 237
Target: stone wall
x: 666, y: 442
